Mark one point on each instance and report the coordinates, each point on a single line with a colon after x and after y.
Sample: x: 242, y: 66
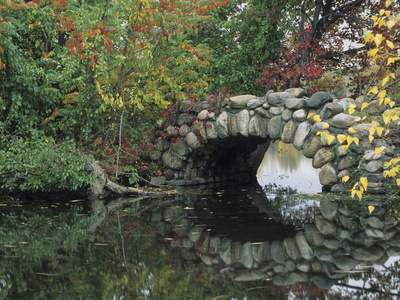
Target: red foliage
x: 299, y: 60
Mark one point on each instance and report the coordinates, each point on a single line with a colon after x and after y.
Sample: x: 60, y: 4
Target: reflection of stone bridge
x: 334, y: 246
x: 200, y: 143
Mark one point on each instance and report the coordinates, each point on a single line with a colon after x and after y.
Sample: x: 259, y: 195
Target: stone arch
x: 212, y: 142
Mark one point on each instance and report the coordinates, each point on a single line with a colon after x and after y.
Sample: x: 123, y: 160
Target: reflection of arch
x: 325, y: 252
x: 199, y: 143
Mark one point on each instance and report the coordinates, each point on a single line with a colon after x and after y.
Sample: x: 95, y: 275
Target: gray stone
x: 343, y: 234
x: 311, y: 146
x: 243, y: 119
x: 295, y: 103
x: 393, y: 251
x: 297, y: 92
x: 301, y: 133
x: 319, y: 127
x: 233, y: 125
x: 375, y: 222
x: 255, y: 103
x: 172, y: 160
x: 246, y: 258
x: 240, y: 101
x: 327, y: 175
x: 323, y: 254
x: 186, y: 243
x: 262, y: 112
x: 342, y: 120
x: 325, y: 226
x: 318, y: 99
x: 329, y: 209
x: 281, y: 269
x: 275, y: 127
x: 303, y: 266
x: 348, y: 222
x: 361, y: 238
x: 211, y: 131
x: 266, y: 105
x: 225, y: 251
x: 347, y: 162
x: 184, y: 130
x: 332, y: 244
x: 185, y: 106
x: 192, y: 141
x: 288, y: 131
x: 277, y: 252
x: 374, y: 166
x: 346, y: 102
x: 276, y: 110
x: 278, y: 98
x: 195, y: 233
x: 254, y: 126
x: 322, y: 157
x: 250, y: 275
x: 380, y: 234
x: 222, y: 125
x: 214, y: 245
x: 346, y: 263
x: 299, y: 115
x: 330, y: 110
x: 303, y: 246
x: 374, y: 252
x: 258, y: 252
x: 371, y: 155
x: 298, y: 277
x: 374, y: 108
x: 281, y: 280
x: 291, y: 248
x: 313, y: 235
x: 172, y: 131
x: 286, y: 115
x: 290, y: 265
x: 179, y: 148
x: 206, y: 115
x: 316, y: 266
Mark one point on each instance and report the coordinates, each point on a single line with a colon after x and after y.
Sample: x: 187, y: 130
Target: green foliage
x: 41, y: 165
x: 243, y: 37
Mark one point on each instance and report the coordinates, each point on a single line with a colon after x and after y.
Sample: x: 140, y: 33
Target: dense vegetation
x: 83, y: 79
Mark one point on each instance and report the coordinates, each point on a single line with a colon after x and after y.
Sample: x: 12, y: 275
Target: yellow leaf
x: 374, y: 90
x: 330, y: 139
x: 345, y: 147
x: 359, y: 194
x: 371, y: 138
x: 318, y: 133
x: 352, y: 108
x: 351, y: 130
x: 385, y: 173
x: 379, y: 150
x: 368, y: 36
x: 317, y: 118
x: 379, y: 130
x: 380, y: 23
x: 349, y: 140
x: 364, y: 182
x: 392, y: 103
x: 309, y: 115
x: 325, y: 126
x: 364, y: 105
x: 382, y: 94
x: 387, y: 3
x: 390, y: 44
x: 373, y: 52
x: 341, y: 138
x: 357, y: 141
x: 378, y: 39
x: 370, y: 207
x: 371, y: 131
x: 385, y: 80
x: 345, y: 178
x: 398, y: 181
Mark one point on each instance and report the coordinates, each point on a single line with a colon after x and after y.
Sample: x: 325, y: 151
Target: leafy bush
x: 41, y: 165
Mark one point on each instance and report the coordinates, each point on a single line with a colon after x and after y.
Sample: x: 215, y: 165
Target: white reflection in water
x: 285, y: 166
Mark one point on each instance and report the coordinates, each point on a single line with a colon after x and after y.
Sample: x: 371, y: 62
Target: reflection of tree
x: 285, y: 154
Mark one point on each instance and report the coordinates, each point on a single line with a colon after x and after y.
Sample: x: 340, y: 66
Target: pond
x: 232, y: 242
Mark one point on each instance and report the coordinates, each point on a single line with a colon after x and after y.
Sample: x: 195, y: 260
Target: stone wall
x: 330, y: 248
x: 211, y: 141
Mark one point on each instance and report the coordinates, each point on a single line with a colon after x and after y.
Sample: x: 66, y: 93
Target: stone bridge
x: 224, y: 140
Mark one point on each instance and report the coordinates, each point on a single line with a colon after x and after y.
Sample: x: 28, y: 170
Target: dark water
x: 232, y: 242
